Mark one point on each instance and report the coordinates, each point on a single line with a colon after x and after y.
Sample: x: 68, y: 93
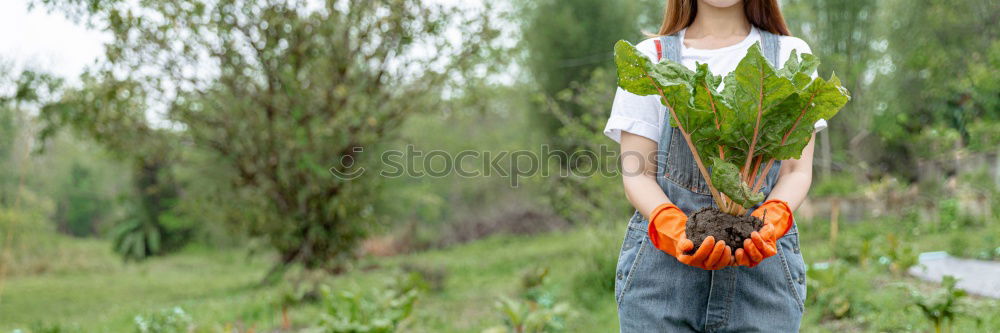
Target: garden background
x: 183, y: 178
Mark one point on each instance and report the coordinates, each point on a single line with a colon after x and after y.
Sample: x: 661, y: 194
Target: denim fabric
x: 657, y: 293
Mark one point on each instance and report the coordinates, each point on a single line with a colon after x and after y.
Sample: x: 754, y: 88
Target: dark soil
x: 711, y: 221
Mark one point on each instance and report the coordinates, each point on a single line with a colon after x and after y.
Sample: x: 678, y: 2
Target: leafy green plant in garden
x: 381, y: 309
x: 944, y: 306
x: 833, y: 290
x: 536, y: 311
x: 594, y: 283
x: 526, y: 316
x: 175, y: 320
x: 761, y: 115
x: 901, y: 255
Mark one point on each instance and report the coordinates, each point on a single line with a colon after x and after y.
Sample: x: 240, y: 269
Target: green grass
x: 211, y: 285
x: 217, y: 287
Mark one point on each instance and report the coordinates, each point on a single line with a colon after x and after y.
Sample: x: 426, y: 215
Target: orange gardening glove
x: 667, y: 233
x: 777, y: 217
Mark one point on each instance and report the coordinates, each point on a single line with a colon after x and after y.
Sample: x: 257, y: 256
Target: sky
x: 46, y: 41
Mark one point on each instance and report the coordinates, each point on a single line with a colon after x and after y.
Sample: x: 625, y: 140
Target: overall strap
x: 667, y: 48
x: 770, y: 45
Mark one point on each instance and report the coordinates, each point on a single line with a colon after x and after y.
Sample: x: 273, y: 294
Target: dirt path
x: 977, y: 277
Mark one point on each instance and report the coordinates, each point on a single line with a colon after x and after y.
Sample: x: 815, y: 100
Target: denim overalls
x: 656, y: 293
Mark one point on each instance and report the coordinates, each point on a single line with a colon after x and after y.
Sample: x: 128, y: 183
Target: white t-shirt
x: 646, y: 116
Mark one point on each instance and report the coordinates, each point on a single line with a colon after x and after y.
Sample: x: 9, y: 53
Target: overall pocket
x: 795, y: 266
x: 631, y: 253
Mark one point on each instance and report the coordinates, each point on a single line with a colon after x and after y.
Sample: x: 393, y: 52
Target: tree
x: 565, y: 41
x: 842, y: 33
x: 279, y: 92
x: 568, y: 55
x: 18, y: 90
x: 112, y: 113
x: 941, y: 78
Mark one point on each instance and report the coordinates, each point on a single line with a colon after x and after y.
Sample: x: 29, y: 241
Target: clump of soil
x: 710, y: 221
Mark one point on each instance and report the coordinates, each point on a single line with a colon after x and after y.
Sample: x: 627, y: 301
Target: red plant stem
x: 753, y: 175
x: 756, y: 127
x: 760, y: 181
x: 694, y: 151
x: 711, y: 101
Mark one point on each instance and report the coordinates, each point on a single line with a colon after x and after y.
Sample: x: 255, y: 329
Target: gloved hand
x: 667, y: 233
x: 777, y: 217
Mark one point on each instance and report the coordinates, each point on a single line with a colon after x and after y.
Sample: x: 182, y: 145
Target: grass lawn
x: 217, y: 288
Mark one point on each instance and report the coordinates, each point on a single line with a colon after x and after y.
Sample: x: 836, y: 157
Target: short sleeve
x: 639, y: 115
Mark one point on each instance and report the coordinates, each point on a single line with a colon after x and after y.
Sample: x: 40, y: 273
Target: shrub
x: 169, y: 321
x: 536, y: 311
x: 944, y: 306
x: 380, y: 309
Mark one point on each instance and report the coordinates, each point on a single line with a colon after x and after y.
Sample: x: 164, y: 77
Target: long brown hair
x: 764, y: 14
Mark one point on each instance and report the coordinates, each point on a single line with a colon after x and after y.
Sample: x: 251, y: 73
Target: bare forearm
x: 792, y: 188
x: 639, y: 173
x: 796, y: 177
x: 644, y: 193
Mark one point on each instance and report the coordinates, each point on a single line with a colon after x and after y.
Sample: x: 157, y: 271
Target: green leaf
x: 822, y: 99
x: 633, y: 70
x: 753, y: 90
x: 726, y: 178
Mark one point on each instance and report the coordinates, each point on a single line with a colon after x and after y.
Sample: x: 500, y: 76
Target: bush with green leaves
x: 836, y: 290
x: 379, y: 309
x: 526, y: 316
x: 174, y: 320
x: 942, y: 307
x: 594, y: 282
x: 536, y: 311
x: 900, y: 255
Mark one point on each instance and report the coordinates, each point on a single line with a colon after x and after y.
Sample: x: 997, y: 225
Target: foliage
x: 575, y: 194
x: 846, y: 36
x: 900, y: 255
x: 168, y: 321
x: 564, y: 49
x: 531, y: 317
x: 536, y: 310
x: 831, y: 291
x: 944, y: 306
x: 382, y: 309
x: 938, y: 81
x: 566, y: 42
x: 135, y: 239
x: 594, y: 282
x: 112, y: 113
x: 835, y: 185
x: 322, y: 92
x: 763, y: 114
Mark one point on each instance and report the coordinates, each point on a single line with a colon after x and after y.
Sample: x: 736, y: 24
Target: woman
x: 659, y: 288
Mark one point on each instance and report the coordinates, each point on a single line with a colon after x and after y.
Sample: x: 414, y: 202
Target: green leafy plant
x: 761, y: 115
x: 135, y: 240
x: 381, y: 309
x: 834, y: 290
x: 901, y: 255
x: 536, y: 311
x: 941, y: 308
x: 526, y: 316
x: 175, y: 320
